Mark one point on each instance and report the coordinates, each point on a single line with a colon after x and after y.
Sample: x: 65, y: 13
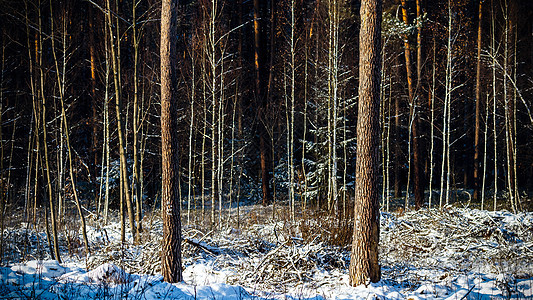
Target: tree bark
x: 171, y: 245
x: 364, y: 264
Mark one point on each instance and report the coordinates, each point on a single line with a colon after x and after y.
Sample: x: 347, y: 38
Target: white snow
x: 454, y: 254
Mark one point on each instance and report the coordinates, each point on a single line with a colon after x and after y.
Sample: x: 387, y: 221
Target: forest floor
x: 455, y: 253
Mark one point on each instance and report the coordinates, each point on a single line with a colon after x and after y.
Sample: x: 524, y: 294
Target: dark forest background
x: 268, y: 91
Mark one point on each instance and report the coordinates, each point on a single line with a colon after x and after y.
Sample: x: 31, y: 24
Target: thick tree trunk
x: 364, y: 265
x: 171, y: 245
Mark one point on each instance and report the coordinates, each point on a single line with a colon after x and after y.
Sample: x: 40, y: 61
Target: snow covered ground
x: 450, y: 254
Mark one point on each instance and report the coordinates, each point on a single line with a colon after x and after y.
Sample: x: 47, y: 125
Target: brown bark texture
x: 171, y: 244
x: 418, y: 186
x: 364, y: 264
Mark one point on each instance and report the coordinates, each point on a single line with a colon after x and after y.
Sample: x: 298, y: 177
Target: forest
x: 266, y: 125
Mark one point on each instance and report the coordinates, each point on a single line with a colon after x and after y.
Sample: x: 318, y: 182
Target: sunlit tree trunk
x: 191, y: 127
x: 388, y: 147
x: 384, y: 125
x: 232, y: 162
x: 137, y: 127
x: 213, y: 71
x: 506, y: 104
x: 36, y: 107
x: 290, y: 128
x: 397, y: 149
x: 494, y: 98
x: 333, y: 54
x: 171, y: 244
x: 478, y: 102
x: 518, y: 203
x: 239, y: 117
x: 445, y: 166
x: 364, y: 264
x: 432, y: 125
x: 220, y: 137
x: 204, y: 130
x: 303, y: 175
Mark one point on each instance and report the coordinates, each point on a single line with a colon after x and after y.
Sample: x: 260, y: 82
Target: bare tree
x: 478, y: 102
x: 137, y: 126
x: 432, y: 124
x: 494, y: 98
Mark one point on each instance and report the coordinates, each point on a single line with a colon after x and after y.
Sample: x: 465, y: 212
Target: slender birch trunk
x: 478, y: 101
x: 518, y: 202
x: 106, y: 124
x: 191, y: 127
x: 292, y: 50
x: 137, y: 127
x: 494, y: 98
x: 445, y: 169
x: 432, y: 125
x: 506, y: 106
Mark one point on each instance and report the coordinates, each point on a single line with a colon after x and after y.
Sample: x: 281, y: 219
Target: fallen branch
x: 204, y: 246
